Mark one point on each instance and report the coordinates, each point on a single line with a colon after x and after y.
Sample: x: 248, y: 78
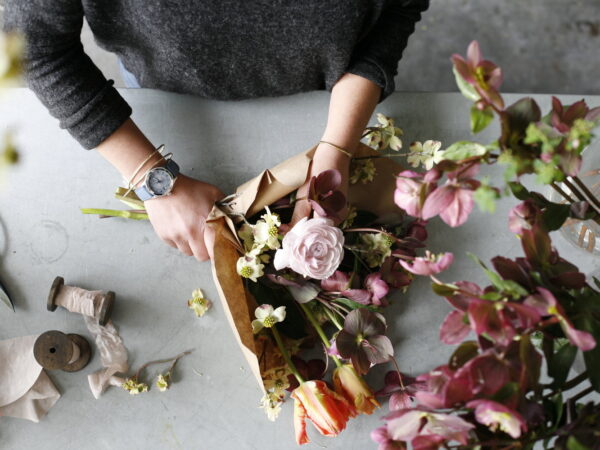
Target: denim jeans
x: 128, y: 78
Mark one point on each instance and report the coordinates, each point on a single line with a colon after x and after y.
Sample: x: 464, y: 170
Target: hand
x: 180, y: 218
x: 325, y: 158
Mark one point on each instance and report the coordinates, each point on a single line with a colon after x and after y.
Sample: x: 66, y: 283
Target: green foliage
x: 508, y: 287
x: 464, y: 149
x: 560, y: 364
x: 485, y: 196
x: 355, y: 305
x: 480, y: 119
x: 465, y: 88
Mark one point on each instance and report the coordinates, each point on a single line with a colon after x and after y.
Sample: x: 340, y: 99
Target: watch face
x: 159, y: 181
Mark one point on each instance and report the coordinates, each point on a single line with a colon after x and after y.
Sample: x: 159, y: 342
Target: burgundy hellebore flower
x: 454, y: 200
x: 483, y: 75
x: 323, y: 194
x: 363, y: 341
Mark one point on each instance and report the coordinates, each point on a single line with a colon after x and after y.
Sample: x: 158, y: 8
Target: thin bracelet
x: 164, y: 158
x: 143, y: 163
x: 341, y: 149
x: 132, y: 186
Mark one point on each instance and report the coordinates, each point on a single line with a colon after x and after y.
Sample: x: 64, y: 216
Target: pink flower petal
x: 454, y: 329
x: 457, y: 212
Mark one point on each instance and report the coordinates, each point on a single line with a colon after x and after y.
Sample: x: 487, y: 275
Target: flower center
x: 246, y: 272
x: 273, y: 231
x: 269, y: 321
x: 480, y: 77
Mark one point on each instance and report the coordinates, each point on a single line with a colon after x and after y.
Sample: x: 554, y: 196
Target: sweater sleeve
x: 377, y: 54
x: 60, y: 73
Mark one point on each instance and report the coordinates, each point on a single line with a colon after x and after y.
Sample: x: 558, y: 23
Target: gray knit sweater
x: 222, y: 49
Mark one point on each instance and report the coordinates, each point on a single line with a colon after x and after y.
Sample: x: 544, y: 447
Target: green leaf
x: 574, y: 444
x: 355, y: 305
x: 554, y: 215
x: 464, y: 149
x: 560, y: 364
x: 506, y: 392
x: 509, y: 287
x: 486, y: 197
x: 588, y: 323
x: 480, y: 119
x: 596, y: 282
x: 518, y: 190
x: 465, y: 88
x: 463, y: 353
x: 547, y: 172
x: 444, y: 290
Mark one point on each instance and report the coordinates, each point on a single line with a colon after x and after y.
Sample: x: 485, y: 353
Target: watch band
x: 144, y: 194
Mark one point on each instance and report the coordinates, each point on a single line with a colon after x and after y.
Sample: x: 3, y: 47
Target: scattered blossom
x: 134, y: 387
x: 271, y: 403
x: 163, y: 382
x: 198, y: 303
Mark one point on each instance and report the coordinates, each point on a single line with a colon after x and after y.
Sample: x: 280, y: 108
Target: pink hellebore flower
x: 382, y: 437
x: 483, y: 75
x: 522, y: 217
x: 412, y: 188
x: 497, y: 416
x: 547, y: 305
x: 376, y: 287
x: 454, y: 200
x: 429, y: 264
x: 407, y: 424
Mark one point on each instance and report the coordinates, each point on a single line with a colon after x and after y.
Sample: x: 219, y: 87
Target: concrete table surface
x: 214, y: 401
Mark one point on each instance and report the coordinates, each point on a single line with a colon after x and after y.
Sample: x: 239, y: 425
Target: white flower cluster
x: 257, y: 239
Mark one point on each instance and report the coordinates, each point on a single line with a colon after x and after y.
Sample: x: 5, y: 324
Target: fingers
x: 301, y: 211
x: 184, y: 247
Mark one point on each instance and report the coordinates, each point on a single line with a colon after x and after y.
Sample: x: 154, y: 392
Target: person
x: 219, y: 49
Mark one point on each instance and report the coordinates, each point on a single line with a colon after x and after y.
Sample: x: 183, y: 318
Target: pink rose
x: 313, y: 248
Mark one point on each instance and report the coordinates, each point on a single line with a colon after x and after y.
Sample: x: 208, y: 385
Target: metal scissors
x: 5, y: 297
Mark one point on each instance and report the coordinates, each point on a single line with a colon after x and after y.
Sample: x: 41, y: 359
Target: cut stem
x: 162, y: 361
x: 285, y: 354
x: 313, y: 321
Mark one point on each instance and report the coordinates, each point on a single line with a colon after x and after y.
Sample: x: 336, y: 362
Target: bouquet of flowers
x: 288, y: 287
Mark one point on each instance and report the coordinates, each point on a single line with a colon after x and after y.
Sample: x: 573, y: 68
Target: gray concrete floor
x: 543, y: 45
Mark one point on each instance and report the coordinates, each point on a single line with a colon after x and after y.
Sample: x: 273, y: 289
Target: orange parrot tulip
x: 354, y: 389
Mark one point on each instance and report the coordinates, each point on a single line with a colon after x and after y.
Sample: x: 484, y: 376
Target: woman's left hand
x: 326, y: 158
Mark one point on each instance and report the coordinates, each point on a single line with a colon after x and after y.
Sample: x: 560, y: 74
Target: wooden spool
x: 53, y: 350
x: 107, y: 303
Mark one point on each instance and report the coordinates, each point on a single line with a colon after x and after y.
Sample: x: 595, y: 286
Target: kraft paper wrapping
x: 252, y: 196
x: 26, y: 391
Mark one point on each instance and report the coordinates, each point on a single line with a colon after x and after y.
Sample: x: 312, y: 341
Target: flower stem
x: 162, y: 361
x: 333, y: 319
x: 285, y: 354
x: 320, y: 332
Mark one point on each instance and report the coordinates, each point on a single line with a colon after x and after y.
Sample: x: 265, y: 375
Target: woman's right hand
x: 179, y: 219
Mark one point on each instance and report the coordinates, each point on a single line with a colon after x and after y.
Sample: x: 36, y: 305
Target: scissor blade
x: 5, y: 298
